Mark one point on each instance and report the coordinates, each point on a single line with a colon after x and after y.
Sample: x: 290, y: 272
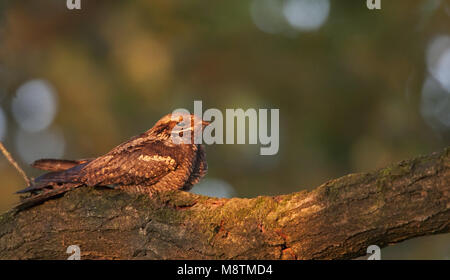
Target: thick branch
x: 337, y: 220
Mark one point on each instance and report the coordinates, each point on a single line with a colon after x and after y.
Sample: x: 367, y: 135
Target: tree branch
x: 337, y: 220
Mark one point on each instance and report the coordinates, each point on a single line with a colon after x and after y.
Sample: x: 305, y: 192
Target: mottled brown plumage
x: 147, y: 163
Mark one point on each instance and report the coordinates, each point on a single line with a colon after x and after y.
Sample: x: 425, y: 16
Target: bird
x: 147, y: 163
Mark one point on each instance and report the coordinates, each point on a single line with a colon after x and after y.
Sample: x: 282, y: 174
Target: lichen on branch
x: 337, y: 220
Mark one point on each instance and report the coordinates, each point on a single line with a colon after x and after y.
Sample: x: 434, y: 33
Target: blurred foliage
x: 348, y: 93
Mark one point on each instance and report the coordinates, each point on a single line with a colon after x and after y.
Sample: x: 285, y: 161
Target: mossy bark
x: 337, y: 220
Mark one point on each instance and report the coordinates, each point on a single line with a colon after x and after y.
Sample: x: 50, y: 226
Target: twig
x: 14, y: 163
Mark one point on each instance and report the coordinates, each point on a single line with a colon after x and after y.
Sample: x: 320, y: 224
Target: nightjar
x: 148, y: 163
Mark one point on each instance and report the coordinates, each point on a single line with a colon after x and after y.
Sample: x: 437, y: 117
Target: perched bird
x: 148, y: 163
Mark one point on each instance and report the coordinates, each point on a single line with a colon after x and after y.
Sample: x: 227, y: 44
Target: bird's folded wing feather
x: 145, y: 164
x: 57, y: 164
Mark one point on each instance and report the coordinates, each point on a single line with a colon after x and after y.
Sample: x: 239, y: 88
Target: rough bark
x: 337, y: 220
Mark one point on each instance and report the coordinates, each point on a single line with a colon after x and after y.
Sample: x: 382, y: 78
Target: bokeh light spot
x: 214, y: 188
x: 438, y: 60
x: 34, y: 106
x: 267, y: 15
x: 443, y: 70
x: 435, y: 105
x: 2, y: 124
x: 48, y: 143
x: 306, y: 15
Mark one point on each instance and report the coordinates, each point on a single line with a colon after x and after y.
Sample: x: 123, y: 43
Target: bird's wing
x: 143, y: 164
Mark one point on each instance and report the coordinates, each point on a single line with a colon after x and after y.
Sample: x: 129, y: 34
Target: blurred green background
x: 357, y: 89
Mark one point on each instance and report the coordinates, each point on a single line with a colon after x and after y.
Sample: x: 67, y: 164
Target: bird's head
x: 179, y: 123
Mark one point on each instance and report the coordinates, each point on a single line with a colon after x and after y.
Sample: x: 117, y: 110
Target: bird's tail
x: 50, y: 185
x: 44, y: 194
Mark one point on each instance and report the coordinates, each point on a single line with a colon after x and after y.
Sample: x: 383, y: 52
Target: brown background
x: 350, y: 93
